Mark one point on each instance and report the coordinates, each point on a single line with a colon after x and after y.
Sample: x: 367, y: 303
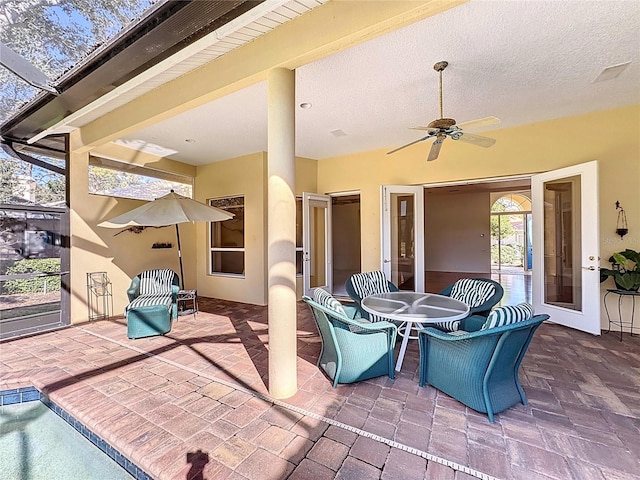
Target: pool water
x: 37, y: 444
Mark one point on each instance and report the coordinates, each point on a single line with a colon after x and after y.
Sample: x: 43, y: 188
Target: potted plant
x: 625, y: 270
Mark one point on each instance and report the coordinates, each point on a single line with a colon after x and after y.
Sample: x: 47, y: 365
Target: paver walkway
x: 194, y: 404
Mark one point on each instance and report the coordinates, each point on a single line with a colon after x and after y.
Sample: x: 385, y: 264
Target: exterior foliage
x: 34, y: 285
x: 507, y: 255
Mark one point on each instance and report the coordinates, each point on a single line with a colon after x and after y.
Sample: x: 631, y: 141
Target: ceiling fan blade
x: 435, y: 148
x: 478, y: 140
x: 409, y: 144
x: 480, y: 122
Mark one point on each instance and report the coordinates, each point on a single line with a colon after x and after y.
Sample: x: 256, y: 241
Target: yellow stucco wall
x: 612, y: 137
x: 96, y: 249
x: 242, y: 176
x: 246, y: 176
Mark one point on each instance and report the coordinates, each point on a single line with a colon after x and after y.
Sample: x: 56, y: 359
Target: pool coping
x: 30, y: 394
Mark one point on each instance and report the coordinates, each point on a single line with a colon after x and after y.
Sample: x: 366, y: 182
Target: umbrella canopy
x: 171, y: 209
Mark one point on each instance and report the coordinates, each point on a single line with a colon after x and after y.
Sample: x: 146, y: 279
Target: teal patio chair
x: 153, y: 303
x: 352, y: 349
x: 478, y: 368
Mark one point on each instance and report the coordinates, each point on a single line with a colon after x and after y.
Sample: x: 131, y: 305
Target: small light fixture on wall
x: 622, y: 228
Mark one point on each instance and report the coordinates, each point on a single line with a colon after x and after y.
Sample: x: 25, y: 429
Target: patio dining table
x: 414, y: 309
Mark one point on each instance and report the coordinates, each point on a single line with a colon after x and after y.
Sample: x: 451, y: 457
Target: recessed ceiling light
x: 190, y: 140
x: 305, y: 105
x: 338, y: 133
x: 611, y: 72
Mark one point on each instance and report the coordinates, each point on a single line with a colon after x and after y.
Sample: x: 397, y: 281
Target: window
x: 511, y: 242
x: 227, y: 238
x: 119, y: 179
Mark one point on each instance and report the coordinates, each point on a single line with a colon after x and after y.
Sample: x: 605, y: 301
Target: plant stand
x: 99, y: 296
x: 620, y: 322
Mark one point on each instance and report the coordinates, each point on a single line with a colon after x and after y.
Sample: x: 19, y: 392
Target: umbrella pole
x: 180, y: 258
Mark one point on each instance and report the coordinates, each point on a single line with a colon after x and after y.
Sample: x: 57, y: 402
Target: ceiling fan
x: 446, y: 127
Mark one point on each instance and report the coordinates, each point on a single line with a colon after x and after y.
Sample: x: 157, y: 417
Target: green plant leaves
x: 626, y: 271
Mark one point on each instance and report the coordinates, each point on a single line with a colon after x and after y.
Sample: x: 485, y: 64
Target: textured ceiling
x: 522, y: 61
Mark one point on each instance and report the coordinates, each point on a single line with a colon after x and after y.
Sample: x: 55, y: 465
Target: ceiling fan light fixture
x: 442, y: 128
x: 442, y: 123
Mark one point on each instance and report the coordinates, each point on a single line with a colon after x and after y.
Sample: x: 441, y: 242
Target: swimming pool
x: 39, y: 440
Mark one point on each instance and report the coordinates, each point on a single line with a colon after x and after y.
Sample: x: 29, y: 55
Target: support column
x: 281, y: 238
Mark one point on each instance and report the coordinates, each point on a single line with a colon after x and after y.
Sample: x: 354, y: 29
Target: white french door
x: 403, y: 235
x: 566, y: 280
x: 316, y: 242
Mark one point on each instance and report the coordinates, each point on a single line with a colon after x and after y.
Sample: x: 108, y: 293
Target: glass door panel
x: 403, y: 236
x: 403, y: 246
x: 316, y: 233
x: 562, y: 276
x: 318, y: 247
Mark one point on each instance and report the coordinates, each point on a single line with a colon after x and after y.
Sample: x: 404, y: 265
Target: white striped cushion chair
x: 481, y: 294
x: 156, y: 281
x: 324, y: 298
x: 507, y: 315
x: 154, y: 287
x: 471, y: 291
x: 361, y: 285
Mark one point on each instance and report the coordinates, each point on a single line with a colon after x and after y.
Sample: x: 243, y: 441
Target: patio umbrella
x: 172, y: 209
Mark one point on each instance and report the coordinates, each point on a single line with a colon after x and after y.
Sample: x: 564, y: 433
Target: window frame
x: 212, y: 249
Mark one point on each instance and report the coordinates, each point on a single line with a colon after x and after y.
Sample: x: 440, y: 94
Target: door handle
x: 589, y: 268
x: 386, y: 261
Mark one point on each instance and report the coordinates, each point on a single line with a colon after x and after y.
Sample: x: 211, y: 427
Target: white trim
x: 480, y: 180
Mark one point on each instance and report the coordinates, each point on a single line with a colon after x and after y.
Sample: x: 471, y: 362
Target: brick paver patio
x: 194, y: 404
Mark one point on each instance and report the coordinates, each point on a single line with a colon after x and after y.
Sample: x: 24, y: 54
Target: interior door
x: 403, y: 236
x: 566, y: 280
x: 316, y: 242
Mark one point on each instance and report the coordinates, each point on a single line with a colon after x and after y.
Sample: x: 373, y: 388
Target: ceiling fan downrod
x: 439, y: 67
x: 441, y: 123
